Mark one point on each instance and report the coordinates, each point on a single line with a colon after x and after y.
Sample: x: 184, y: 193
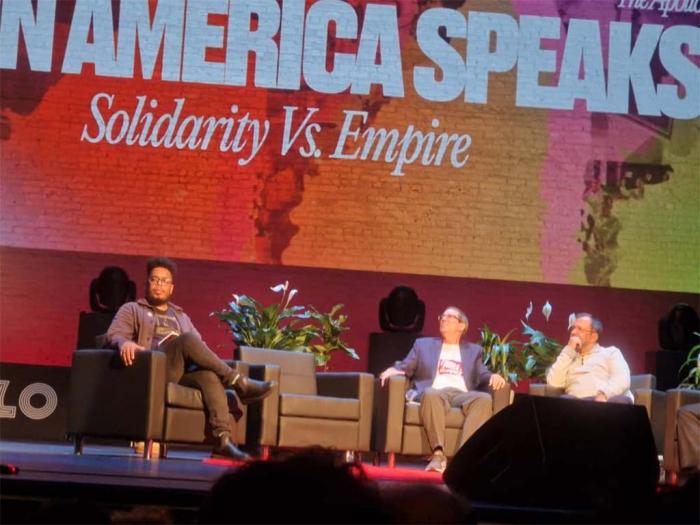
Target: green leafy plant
x: 539, y: 352
x: 282, y: 326
x: 501, y: 355
x: 515, y: 360
x: 692, y: 365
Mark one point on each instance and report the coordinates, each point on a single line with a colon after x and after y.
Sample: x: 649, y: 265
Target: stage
x: 116, y: 478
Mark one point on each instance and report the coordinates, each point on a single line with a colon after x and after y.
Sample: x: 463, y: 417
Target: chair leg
x: 265, y: 453
x: 163, y: 450
x: 148, y: 449
x: 671, y: 478
x: 377, y: 459
x: 391, y: 460
x: 78, y: 445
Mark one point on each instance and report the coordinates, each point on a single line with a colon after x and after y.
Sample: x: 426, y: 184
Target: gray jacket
x: 420, y: 365
x: 136, y: 321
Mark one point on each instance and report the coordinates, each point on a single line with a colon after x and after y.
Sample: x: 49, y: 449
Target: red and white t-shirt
x: 449, y: 369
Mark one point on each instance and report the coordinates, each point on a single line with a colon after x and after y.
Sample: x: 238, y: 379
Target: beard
x: 155, y: 301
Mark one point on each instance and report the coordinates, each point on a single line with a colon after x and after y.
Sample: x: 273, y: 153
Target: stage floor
x: 184, y: 467
x: 118, y: 479
x: 109, y: 465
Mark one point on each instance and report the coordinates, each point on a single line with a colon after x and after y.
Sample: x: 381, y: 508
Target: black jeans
x: 191, y: 363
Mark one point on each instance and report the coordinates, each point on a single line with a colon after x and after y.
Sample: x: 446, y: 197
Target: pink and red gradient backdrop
x: 490, y: 237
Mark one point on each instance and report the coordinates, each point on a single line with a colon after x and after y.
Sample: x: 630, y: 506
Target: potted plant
x: 502, y: 356
x: 515, y: 360
x: 692, y: 378
x: 541, y: 351
x: 282, y: 326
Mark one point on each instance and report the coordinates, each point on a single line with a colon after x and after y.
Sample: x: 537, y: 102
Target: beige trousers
x: 688, y: 429
x: 477, y: 408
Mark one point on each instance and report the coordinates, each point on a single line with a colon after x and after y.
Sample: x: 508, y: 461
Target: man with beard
x: 154, y: 323
x: 587, y: 370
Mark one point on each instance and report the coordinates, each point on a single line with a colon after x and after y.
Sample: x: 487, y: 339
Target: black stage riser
x: 551, y: 452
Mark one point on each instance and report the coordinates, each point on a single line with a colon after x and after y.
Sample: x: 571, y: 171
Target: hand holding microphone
x: 575, y: 343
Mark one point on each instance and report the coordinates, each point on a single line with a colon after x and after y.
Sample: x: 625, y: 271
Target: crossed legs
x: 190, y: 362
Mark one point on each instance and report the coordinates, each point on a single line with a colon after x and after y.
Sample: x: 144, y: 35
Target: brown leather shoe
x: 226, y: 449
x: 250, y: 390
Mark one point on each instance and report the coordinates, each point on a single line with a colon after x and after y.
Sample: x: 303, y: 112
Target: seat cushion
x: 297, y: 369
x: 454, y: 418
x: 319, y: 407
x: 183, y: 396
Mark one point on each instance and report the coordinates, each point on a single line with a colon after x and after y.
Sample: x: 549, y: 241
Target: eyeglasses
x: 584, y: 330
x: 443, y: 317
x: 158, y: 282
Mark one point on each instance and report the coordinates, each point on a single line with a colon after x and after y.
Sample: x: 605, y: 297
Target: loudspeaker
x: 552, y: 452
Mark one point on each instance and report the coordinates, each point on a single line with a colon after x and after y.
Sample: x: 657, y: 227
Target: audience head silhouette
x: 310, y: 487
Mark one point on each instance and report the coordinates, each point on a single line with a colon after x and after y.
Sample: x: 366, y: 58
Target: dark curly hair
x: 161, y: 262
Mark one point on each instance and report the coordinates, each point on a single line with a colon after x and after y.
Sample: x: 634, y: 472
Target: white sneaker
x: 438, y: 462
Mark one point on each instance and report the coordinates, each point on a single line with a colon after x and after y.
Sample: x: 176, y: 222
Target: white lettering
x: 451, y: 64
x: 95, y: 14
x: 291, y: 45
x: 318, y: 21
x: 632, y: 67
x: 242, y: 41
x: 683, y: 70
x: 41, y: 389
x: 480, y: 60
x: 380, y: 33
x: 533, y: 60
x: 199, y: 35
x: 582, y: 52
x: 172, y: 129
x: 401, y: 149
x: 166, y: 29
x: 37, y: 31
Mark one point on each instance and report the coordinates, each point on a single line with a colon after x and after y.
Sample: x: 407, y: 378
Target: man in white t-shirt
x: 586, y: 370
x: 447, y: 372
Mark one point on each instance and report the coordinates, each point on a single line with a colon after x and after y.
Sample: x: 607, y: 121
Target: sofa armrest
x: 340, y: 384
x: 110, y: 399
x: 263, y: 417
x: 389, y: 407
x: 675, y: 398
x: 354, y: 385
x: 501, y: 397
x: 543, y: 389
x: 639, y: 381
x: 654, y: 401
x: 536, y: 389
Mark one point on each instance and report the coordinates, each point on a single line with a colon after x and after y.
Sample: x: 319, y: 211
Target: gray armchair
x: 308, y: 408
x: 398, y: 428
x: 675, y: 399
x: 135, y: 403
